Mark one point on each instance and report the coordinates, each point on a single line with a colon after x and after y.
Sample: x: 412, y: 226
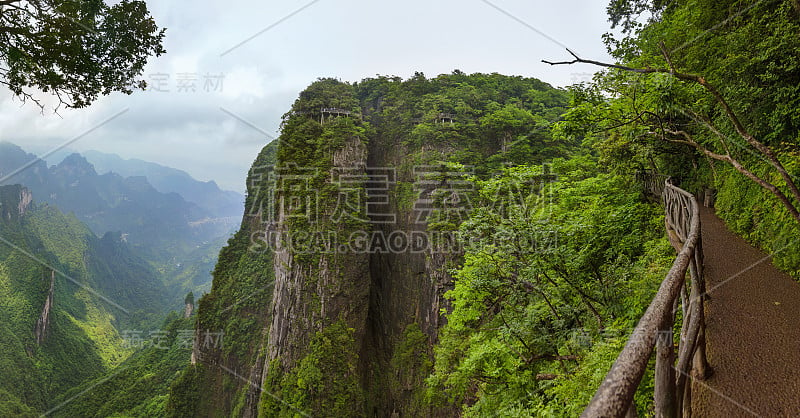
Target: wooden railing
x: 653, y: 183
x: 672, y: 391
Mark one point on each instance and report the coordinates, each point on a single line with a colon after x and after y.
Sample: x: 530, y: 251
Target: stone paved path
x: 753, y: 330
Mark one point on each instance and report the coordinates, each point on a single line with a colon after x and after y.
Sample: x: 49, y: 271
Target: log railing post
x: 614, y: 397
x: 664, y: 391
x: 700, y: 368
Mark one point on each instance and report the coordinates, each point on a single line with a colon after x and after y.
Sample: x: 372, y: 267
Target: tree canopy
x: 76, y: 50
x: 717, y: 77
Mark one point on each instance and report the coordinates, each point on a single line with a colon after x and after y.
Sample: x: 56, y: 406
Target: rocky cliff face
x: 25, y: 200
x: 331, y: 295
x: 43, y: 323
x: 315, y: 289
x: 14, y: 201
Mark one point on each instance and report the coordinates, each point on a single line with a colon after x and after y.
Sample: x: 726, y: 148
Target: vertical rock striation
x: 14, y: 201
x: 331, y: 295
x: 43, y: 323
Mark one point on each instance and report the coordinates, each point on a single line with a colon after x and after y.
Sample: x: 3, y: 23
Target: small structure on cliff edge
x: 446, y: 118
x: 327, y: 113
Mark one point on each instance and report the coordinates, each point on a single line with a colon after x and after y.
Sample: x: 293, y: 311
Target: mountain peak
x: 6, y: 146
x: 12, y: 158
x: 76, y: 164
x: 205, y: 194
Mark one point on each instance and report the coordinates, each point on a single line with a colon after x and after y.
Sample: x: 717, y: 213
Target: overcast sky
x: 233, y: 68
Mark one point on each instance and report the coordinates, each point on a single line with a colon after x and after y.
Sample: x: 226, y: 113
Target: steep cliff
x: 330, y: 296
x: 232, y: 320
x: 43, y: 323
x: 14, y: 201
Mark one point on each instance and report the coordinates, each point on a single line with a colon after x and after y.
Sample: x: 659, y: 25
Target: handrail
x: 653, y: 183
x: 614, y: 397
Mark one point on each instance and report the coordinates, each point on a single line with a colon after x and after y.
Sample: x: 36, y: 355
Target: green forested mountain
x: 462, y: 245
x: 333, y: 318
x: 539, y: 253
x: 66, y: 297
x: 138, y: 387
x: 178, y: 238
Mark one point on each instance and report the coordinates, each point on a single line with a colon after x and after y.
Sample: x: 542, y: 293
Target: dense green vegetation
x: 139, y: 386
x: 496, y: 119
x: 735, y: 129
x: 99, y: 287
x: 555, y: 274
x: 544, y: 250
x: 324, y: 381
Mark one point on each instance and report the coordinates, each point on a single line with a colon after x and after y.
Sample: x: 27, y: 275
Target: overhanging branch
x: 770, y: 156
x: 601, y: 64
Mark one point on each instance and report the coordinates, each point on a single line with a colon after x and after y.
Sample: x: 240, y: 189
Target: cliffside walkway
x: 738, y: 352
x: 752, y: 330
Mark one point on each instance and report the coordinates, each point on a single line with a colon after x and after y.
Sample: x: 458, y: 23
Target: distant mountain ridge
x: 89, y: 264
x: 205, y: 194
x: 164, y: 228
x: 107, y: 202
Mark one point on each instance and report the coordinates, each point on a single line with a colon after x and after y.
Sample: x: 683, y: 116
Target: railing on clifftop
x: 614, y: 397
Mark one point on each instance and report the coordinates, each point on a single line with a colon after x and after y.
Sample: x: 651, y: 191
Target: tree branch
x: 736, y: 165
x: 24, y: 96
x: 15, y: 30
x: 601, y: 64
x: 770, y: 155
